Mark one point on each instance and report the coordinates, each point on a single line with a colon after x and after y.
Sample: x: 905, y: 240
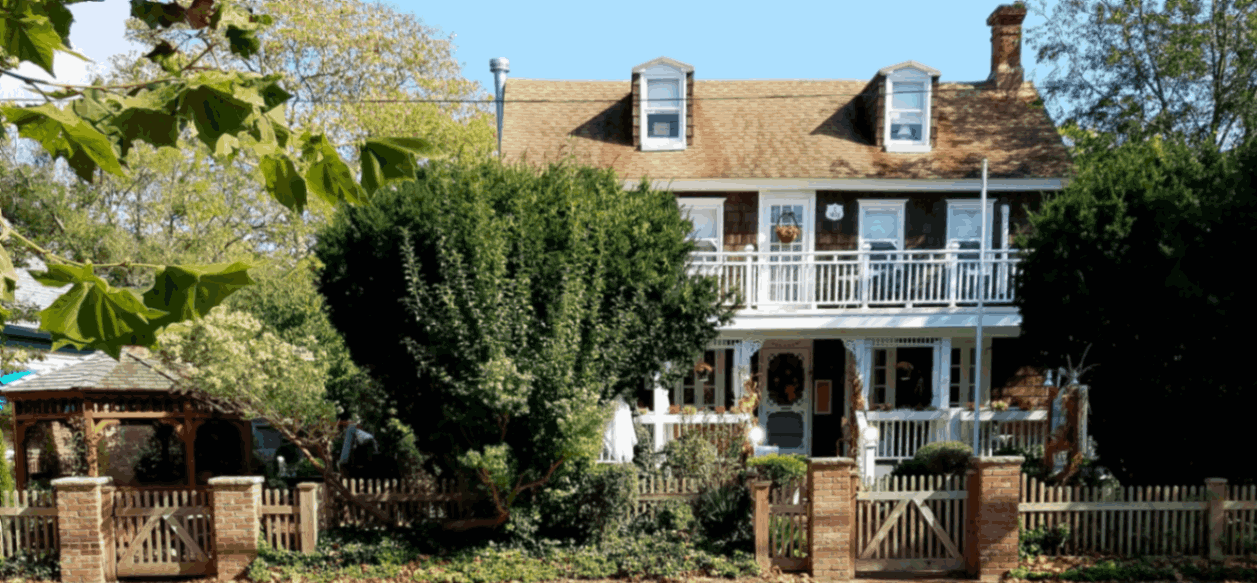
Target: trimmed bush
x: 691, y: 456
x: 943, y: 457
x: 781, y: 469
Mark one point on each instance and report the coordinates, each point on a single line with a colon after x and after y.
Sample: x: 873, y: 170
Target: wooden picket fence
x: 28, y: 522
x: 787, y: 525
x: 408, y: 503
x: 1143, y: 520
x: 654, y: 490
x: 911, y: 522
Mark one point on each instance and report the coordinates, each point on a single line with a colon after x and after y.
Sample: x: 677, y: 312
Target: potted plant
x: 702, y: 370
x: 1000, y: 405
x: 787, y: 228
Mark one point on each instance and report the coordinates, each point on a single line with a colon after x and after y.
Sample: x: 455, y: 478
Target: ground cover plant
x: 1143, y: 569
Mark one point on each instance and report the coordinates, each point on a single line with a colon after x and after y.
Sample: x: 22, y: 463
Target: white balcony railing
x: 860, y: 279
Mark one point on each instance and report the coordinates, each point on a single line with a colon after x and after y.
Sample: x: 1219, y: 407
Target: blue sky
x: 728, y: 40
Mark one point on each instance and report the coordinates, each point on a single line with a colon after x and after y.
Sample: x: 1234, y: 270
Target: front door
x: 784, y: 280
x: 786, y: 412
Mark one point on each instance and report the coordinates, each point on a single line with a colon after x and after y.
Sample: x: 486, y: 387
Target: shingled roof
x: 755, y: 135
x: 99, y: 371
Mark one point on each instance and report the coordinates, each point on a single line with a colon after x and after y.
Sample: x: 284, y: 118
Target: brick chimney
x: 1005, y: 23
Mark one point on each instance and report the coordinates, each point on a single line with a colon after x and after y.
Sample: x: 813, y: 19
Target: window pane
x: 704, y: 220
x: 963, y: 224
x: 880, y: 225
x: 663, y: 125
x: 905, y: 126
x: 907, y: 95
x: 663, y: 93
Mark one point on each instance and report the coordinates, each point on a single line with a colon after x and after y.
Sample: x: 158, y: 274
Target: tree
x: 529, y: 299
x: 1137, y: 257
x: 233, y: 113
x: 1137, y: 68
x: 233, y: 363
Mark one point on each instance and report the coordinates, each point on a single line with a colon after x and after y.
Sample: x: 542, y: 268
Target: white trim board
x: 865, y: 184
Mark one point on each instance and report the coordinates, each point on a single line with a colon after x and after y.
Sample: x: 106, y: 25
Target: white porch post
x: 940, y: 429
x: 862, y: 349
x: 661, y: 408
x: 742, y: 354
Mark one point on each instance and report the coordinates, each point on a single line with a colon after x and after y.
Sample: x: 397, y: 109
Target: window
x: 882, y: 224
x: 707, y: 215
x: 963, y: 218
x: 704, y: 386
x: 908, y: 110
x: 663, y: 109
x: 883, y: 380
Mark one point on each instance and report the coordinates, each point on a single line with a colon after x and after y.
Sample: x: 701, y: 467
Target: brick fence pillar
x: 830, y: 518
x: 994, y: 496
x: 81, y: 524
x: 237, y: 513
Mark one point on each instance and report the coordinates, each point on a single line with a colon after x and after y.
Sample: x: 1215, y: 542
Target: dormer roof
x: 675, y: 64
x: 928, y: 70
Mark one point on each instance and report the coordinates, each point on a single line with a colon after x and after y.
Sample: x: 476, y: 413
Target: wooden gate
x: 787, y: 526
x: 162, y: 532
x: 911, y: 524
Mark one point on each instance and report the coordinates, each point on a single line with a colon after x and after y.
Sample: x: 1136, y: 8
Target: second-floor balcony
x: 820, y: 280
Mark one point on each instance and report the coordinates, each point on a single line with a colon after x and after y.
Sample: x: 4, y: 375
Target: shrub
x: 1037, y: 541
x: 588, y: 502
x: 724, y: 519
x: 44, y: 565
x: 781, y: 469
x: 944, y: 457
x: 691, y: 456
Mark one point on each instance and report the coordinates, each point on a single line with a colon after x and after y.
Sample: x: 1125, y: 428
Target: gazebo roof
x: 99, y: 372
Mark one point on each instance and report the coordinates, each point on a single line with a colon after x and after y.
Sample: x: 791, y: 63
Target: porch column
x: 660, y: 397
x: 862, y: 350
x: 742, y: 354
x: 940, y: 429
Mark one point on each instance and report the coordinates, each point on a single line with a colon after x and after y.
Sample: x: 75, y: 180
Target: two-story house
x: 847, y: 215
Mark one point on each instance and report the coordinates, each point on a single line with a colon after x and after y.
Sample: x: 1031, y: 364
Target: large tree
x: 1139, y: 258
x: 239, y: 114
x: 1137, y: 68
x: 530, y: 299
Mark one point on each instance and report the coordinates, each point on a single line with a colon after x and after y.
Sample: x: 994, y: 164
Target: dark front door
x: 829, y: 364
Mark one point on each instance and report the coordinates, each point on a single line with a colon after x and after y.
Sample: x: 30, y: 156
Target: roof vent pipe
x: 500, y: 67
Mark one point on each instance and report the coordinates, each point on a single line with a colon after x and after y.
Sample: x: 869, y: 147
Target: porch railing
x: 861, y: 279
x: 901, y: 433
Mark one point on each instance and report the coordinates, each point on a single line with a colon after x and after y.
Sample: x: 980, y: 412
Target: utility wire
x: 605, y: 100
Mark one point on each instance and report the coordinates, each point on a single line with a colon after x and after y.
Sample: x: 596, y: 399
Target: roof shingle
x: 744, y: 129
x: 98, y: 371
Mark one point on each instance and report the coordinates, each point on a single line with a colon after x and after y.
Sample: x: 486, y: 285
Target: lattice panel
x: 902, y: 342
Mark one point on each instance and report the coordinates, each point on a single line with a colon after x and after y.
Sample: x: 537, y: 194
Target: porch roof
x: 98, y: 372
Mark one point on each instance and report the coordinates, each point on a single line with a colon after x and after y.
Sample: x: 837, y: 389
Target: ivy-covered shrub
x: 588, y: 502
x: 781, y: 469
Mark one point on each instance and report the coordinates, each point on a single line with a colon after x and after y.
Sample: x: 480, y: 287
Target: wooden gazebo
x: 101, y: 392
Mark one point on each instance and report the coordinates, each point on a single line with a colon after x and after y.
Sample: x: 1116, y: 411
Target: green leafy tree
x: 235, y: 364
x: 1136, y: 257
x: 529, y: 300
x: 1136, y: 68
x: 234, y: 113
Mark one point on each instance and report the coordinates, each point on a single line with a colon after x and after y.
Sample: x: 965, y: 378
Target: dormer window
x: 907, y: 112
x: 663, y: 104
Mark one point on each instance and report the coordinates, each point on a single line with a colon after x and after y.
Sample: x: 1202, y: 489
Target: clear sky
x: 786, y: 39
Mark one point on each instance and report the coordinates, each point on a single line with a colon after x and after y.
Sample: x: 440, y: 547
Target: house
x: 847, y: 216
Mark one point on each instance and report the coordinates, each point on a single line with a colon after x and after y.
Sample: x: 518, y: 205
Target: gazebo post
x: 90, y: 437
x: 190, y: 426
x: 19, y: 452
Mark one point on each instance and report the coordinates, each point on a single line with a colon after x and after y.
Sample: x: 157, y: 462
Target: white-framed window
x: 962, y: 360
x: 882, y: 224
x: 707, y: 216
x: 703, y: 389
x: 963, y: 218
x: 907, y: 127
x: 884, y: 360
x: 663, y: 108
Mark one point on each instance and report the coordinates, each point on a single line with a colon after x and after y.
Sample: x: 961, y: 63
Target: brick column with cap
x: 994, y: 496
x: 237, y: 513
x: 831, y: 515
x: 81, y: 526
